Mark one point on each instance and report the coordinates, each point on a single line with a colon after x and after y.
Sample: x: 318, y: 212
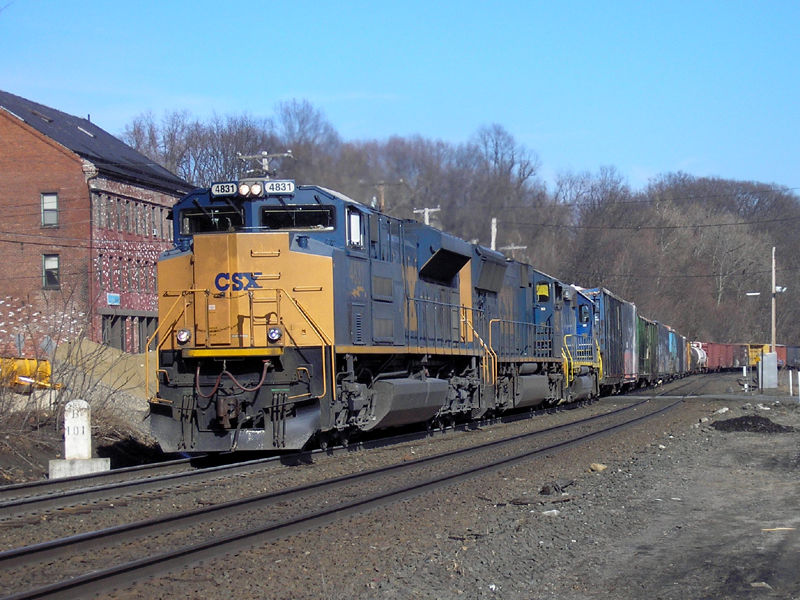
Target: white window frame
x: 51, y: 263
x: 355, y: 228
x: 49, y: 209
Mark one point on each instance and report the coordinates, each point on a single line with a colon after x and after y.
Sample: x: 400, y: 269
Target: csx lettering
x: 236, y: 282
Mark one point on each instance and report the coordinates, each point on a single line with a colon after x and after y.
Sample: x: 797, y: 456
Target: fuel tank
x: 405, y: 400
x: 533, y: 390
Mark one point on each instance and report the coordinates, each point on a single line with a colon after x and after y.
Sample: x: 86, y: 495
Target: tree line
x: 685, y: 249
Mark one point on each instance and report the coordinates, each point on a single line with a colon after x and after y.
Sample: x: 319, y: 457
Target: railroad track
x: 102, y: 490
x: 18, y: 491
x: 673, y: 388
x: 48, y: 495
x: 275, y: 515
x: 54, y: 494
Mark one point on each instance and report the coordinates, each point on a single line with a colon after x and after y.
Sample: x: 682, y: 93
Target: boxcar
x: 616, y: 335
x: 793, y: 357
x: 647, y: 346
x: 781, y: 351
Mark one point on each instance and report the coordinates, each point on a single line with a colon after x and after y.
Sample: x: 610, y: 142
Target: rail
x: 419, y: 475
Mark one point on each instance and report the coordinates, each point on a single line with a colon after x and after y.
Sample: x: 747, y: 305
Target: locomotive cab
x: 246, y: 316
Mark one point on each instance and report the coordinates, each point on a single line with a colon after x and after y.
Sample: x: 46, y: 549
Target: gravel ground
x: 682, y: 510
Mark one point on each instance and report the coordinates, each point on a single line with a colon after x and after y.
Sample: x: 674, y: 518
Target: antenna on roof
x: 264, y: 157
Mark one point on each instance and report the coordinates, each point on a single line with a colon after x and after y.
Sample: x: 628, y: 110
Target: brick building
x: 84, y: 221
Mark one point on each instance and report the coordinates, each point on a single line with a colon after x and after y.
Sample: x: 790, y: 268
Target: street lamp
x: 776, y: 289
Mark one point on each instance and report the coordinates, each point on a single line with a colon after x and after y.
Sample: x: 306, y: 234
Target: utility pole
x: 512, y: 247
x: 774, y: 291
x: 494, y: 239
x: 380, y: 186
x: 426, y: 213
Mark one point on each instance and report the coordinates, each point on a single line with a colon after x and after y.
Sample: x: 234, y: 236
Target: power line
x: 650, y: 200
x: 80, y: 243
x: 652, y: 277
x: 652, y: 227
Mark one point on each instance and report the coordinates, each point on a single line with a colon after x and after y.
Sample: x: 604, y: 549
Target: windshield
x: 298, y: 217
x: 201, y: 220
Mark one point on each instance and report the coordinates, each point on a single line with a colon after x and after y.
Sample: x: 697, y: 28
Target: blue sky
x: 708, y: 88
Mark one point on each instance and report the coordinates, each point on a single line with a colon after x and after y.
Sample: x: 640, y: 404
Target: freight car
x: 722, y: 356
x: 699, y: 358
x: 636, y: 351
x: 616, y: 336
x: 793, y: 357
x: 292, y: 314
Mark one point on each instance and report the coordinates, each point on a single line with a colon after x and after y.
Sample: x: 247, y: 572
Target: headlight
x: 244, y: 189
x: 184, y: 335
x: 274, y: 334
x: 256, y: 189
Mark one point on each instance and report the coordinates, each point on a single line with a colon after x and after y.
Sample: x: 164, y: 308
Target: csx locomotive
x: 292, y: 315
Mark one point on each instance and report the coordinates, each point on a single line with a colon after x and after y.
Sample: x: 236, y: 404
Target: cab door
x: 543, y: 316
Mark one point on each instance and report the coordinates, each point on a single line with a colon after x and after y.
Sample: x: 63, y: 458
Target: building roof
x: 112, y: 157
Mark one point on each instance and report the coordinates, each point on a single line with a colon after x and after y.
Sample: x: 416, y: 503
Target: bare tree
x: 684, y: 248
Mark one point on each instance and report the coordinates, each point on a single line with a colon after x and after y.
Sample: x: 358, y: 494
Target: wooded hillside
x: 685, y: 249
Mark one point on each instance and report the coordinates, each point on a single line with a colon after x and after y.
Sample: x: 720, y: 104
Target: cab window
x: 542, y: 292
x: 298, y: 217
x: 355, y: 228
x: 203, y: 220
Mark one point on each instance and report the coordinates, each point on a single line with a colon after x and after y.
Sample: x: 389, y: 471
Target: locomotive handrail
x: 450, y: 339
x: 490, y: 356
x: 161, y: 339
x: 573, y: 363
x: 326, y: 342
x: 537, y: 330
x: 168, y: 324
x: 568, y: 363
x: 599, y: 360
x: 582, y: 351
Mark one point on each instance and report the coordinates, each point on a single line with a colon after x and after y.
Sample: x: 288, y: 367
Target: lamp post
x: 776, y: 289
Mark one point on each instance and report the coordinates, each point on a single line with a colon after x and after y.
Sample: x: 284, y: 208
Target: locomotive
x: 292, y: 315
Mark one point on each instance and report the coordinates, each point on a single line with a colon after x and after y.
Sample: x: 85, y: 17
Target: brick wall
x: 32, y: 165
x: 107, y: 240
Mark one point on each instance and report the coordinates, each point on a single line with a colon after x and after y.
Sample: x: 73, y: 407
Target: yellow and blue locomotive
x: 292, y: 314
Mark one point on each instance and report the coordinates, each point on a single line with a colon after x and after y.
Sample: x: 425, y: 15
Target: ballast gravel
x: 674, y: 509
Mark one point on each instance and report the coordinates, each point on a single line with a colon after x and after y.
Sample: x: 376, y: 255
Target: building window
x: 126, y: 219
x: 49, y: 210
x: 112, y: 210
x: 51, y: 277
x: 101, y: 282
